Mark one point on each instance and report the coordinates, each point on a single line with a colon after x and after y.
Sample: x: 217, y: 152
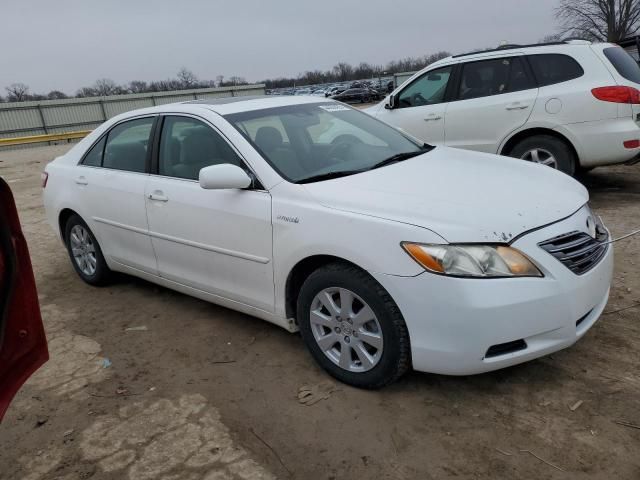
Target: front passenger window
x: 426, y: 90
x: 127, y: 144
x: 187, y: 145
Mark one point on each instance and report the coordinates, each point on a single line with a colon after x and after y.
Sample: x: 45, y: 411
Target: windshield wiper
x: 399, y: 157
x: 328, y: 176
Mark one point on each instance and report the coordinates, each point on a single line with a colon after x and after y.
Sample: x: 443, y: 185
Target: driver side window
x: 188, y: 145
x: 429, y: 89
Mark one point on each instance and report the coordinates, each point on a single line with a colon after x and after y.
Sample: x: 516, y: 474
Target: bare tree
x: 138, y: 86
x: 219, y: 80
x: 187, y: 78
x: 343, y: 71
x: 17, y: 92
x: 104, y: 87
x: 553, y: 37
x: 604, y: 20
x: 56, y: 95
x: 235, y: 80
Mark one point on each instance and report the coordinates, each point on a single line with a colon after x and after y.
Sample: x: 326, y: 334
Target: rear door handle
x: 432, y: 118
x: 81, y: 181
x: 516, y: 106
x: 158, y: 197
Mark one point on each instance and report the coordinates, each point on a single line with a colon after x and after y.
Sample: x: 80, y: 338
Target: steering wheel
x: 418, y: 99
x: 341, y: 145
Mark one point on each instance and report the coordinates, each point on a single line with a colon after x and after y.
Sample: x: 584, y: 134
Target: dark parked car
x: 354, y: 95
x: 23, y: 345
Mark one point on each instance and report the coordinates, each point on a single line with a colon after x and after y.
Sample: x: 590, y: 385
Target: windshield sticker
x: 334, y: 108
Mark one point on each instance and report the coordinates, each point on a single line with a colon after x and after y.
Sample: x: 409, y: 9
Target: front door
x: 421, y: 107
x: 217, y: 241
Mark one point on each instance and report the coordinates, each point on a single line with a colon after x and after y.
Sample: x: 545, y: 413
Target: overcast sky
x: 67, y: 44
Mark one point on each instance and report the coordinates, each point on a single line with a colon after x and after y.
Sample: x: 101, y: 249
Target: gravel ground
x: 207, y: 393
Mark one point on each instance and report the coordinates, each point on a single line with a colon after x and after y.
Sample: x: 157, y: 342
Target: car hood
x: 462, y: 196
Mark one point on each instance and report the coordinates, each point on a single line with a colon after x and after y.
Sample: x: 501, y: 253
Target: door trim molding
x: 202, y: 246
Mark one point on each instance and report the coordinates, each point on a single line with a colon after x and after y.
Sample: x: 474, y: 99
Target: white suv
x: 570, y: 105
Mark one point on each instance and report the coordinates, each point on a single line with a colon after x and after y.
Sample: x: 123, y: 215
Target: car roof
x: 229, y: 105
x: 506, y: 50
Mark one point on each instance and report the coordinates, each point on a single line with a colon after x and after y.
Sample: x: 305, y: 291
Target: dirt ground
x: 207, y: 393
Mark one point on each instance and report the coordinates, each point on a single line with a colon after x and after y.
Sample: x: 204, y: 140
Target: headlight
x: 479, y: 261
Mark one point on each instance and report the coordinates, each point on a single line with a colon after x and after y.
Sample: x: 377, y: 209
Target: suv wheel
x: 352, y: 327
x: 85, y: 253
x: 546, y: 150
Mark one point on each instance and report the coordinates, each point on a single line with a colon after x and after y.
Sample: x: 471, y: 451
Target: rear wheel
x: 546, y: 150
x: 352, y: 327
x: 85, y: 252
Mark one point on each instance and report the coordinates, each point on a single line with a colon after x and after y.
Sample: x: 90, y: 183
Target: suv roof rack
x: 568, y: 41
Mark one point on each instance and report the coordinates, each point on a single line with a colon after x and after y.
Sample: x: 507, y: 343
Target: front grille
x: 578, y: 251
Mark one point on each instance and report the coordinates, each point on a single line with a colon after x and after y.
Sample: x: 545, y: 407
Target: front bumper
x: 453, y: 322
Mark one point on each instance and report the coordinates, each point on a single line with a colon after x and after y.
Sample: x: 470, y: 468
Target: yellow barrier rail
x: 53, y: 137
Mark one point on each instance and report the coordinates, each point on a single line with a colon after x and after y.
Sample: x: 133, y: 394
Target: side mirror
x: 390, y: 104
x: 223, y: 176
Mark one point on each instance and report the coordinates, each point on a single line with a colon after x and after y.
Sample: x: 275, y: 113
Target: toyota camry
x: 384, y: 253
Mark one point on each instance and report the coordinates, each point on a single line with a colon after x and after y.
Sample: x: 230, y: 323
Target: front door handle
x: 158, y: 197
x: 516, y: 106
x: 81, y: 181
x: 432, y: 118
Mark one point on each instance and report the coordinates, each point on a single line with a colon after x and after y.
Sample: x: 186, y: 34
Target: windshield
x: 302, y: 142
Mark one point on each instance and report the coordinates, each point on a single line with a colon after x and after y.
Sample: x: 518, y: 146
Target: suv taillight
x: 617, y: 94
x: 44, y: 177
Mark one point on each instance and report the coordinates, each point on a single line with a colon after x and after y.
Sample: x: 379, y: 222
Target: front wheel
x: 546, y: 150
x: 352, y: 327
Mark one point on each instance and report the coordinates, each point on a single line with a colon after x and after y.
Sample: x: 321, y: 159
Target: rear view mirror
x: 434, y: 77
x: 223, y: 176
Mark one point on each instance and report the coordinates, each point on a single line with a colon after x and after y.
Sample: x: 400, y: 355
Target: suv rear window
x: 624, y: 63
x: 552, y: 68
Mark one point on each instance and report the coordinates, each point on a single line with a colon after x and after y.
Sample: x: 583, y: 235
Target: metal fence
x: 22, y: 119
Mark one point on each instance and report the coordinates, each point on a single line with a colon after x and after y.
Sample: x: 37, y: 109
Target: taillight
x: 45, y: 178
x: 617, y: 94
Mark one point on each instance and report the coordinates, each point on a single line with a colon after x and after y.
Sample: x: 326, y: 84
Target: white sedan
x: 383, y: 252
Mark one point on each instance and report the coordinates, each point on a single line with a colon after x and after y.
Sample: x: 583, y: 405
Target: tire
x: 392, y: 360
x: 562, y: 153
x: 98, y: 274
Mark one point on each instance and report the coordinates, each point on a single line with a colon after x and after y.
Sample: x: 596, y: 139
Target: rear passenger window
x: 187, y: 145
x: 493, y: 77
x: 551, y: 68
x: 94, y: 157
x: 127, y: 144
x: 624, y: 63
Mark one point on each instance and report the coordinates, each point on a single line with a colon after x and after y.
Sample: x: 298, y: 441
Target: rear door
x: 421, y: 105
x: 111, y: 182
x: 23, y: 345
x: 493, y: 98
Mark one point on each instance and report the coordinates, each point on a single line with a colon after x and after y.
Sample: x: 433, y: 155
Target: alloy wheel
x: 346, y: 329
x: 83, y: 250
x: 540, y: 155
